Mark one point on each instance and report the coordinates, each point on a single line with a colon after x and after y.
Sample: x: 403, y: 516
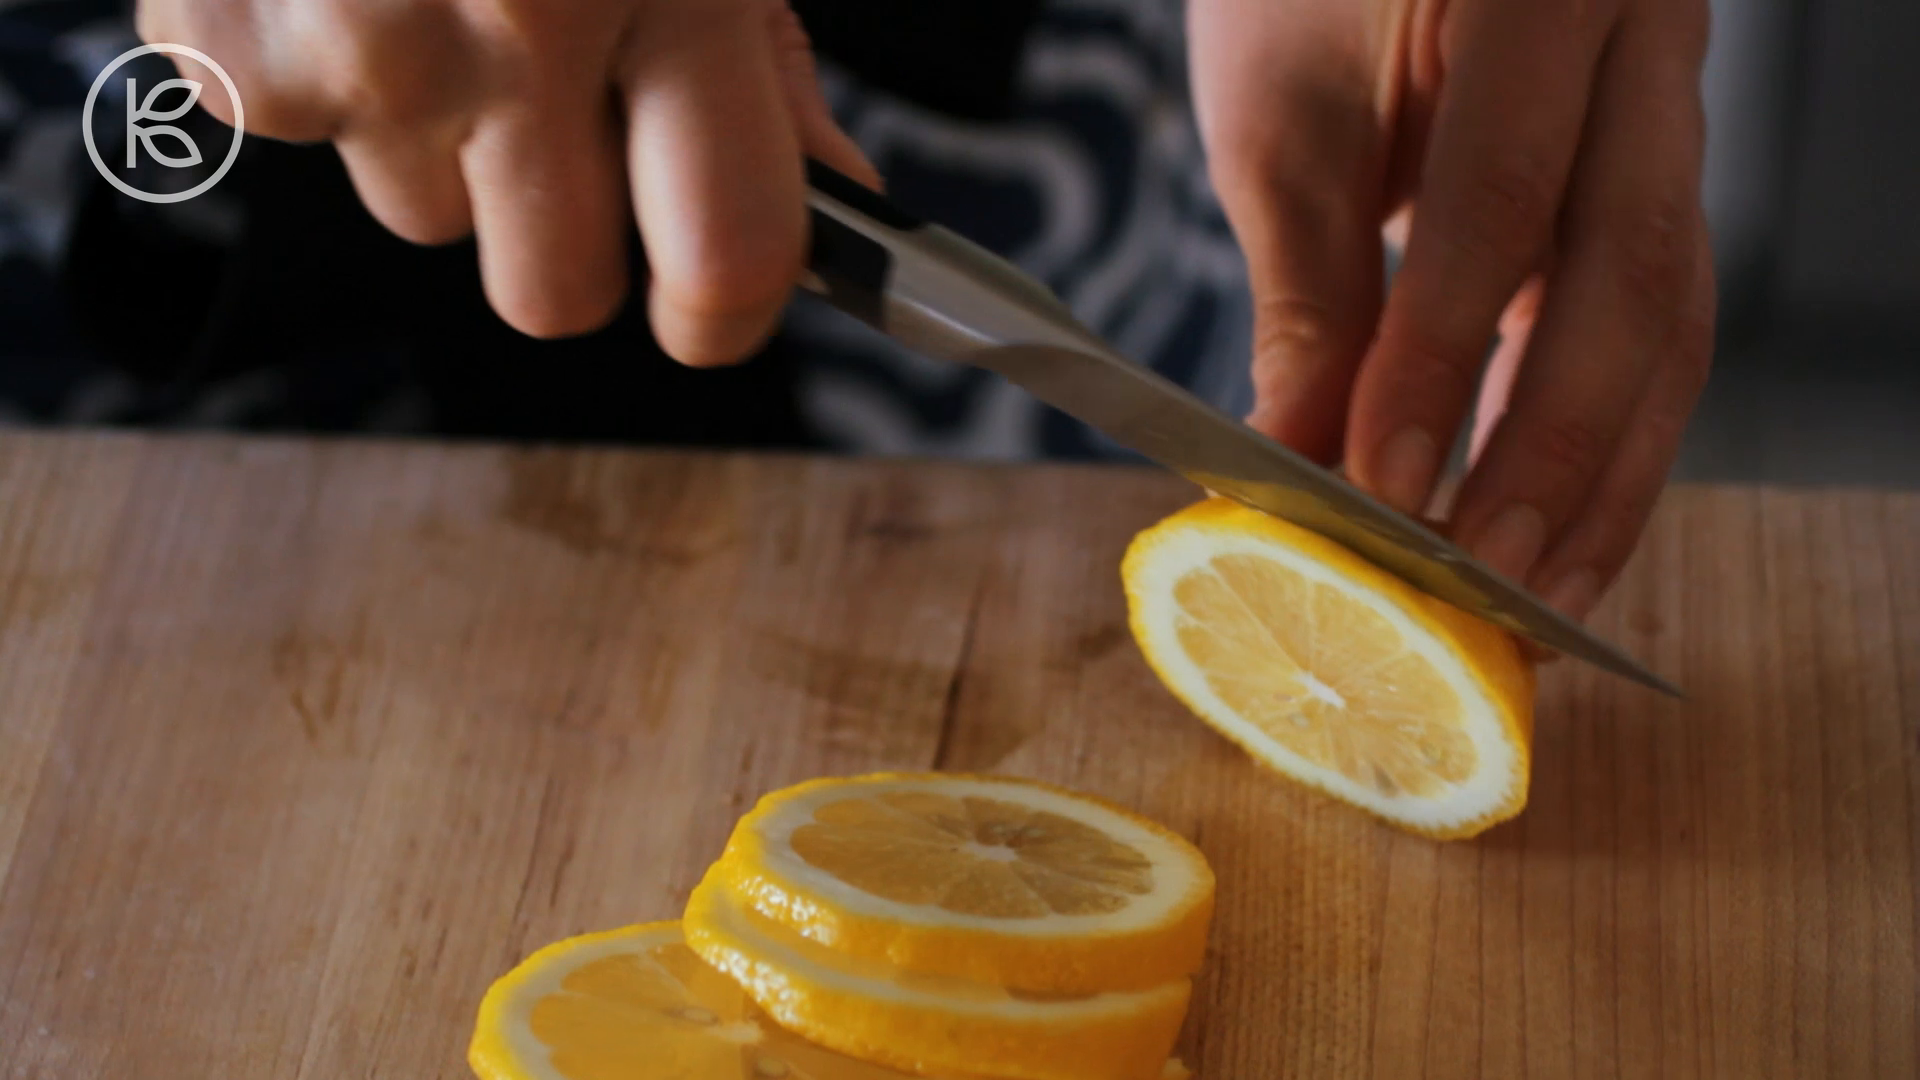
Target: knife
x: 939, y: 294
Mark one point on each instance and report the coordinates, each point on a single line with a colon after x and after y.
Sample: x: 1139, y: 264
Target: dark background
x: 1814, y: 192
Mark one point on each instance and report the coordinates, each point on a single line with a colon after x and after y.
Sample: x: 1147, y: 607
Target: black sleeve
x: 957, y: 57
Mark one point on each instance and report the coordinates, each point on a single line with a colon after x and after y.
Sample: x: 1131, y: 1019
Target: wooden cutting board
x: 302, y: 744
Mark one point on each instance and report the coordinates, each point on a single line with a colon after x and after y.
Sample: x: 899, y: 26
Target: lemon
x: 1333, y: 672
x: 931, y: 1025
x: 637, y: 1004
x: 1002, y: 882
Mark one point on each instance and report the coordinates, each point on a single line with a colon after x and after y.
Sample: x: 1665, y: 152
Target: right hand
x: 1543, y: 160
x: 531, y: 123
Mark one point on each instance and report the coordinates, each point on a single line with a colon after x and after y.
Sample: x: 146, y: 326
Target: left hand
x: 1543, y: 160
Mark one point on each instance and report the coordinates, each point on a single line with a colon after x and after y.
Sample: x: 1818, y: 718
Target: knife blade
x: 942, y: 295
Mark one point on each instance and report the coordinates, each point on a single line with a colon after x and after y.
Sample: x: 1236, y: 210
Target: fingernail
x: 1575, y: 594
x: 1405, y: 474
x: 1512, y: 541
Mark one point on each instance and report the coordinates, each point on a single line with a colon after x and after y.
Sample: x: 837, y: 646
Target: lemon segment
x: 1331, y: 671
x: 991, y: 880
x: 930, y: 1024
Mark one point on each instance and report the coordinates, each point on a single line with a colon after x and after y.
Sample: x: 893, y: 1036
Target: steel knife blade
x: 944, y: 296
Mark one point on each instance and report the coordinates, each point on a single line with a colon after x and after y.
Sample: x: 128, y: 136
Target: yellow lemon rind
x: 491, y: 1053
x: 1495, y: 665
x: 1085, y: 954
x: 924, y: 1026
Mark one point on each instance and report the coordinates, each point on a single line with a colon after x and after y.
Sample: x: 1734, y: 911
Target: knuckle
x: 239, y: 42
x: 1569, y: 445
x: 1291, y: 329
x: 1244, y: 155
x: 1427, y: 371
x: 525, y: 38
x: 1253, y: 193
x: 1654, y: 257
x: 375, y: 92
x: 1514, y: 186
x: 1510, y: 204
x: 395, y: 66
x: 672, y: 25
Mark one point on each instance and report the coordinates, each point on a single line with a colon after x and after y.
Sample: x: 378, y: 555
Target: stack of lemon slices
x: 878, y: 927
x: 970, y: 927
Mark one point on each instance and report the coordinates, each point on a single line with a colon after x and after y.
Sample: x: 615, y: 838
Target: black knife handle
x: 859, y: 197
x: 852, y: 265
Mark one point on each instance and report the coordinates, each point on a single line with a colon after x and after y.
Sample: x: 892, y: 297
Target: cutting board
x: 303, y: 743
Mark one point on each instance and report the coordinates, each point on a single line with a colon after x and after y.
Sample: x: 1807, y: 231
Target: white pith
x: 775, y: 965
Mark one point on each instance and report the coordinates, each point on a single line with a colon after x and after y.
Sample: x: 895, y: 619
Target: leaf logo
x: 138, y: 136
x: 148, y: 129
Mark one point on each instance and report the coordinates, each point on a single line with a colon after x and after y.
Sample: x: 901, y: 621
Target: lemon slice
x: 930, y: 1024
x: 998, y: 881
x: 1333, y: 672
x: 637, y: 1004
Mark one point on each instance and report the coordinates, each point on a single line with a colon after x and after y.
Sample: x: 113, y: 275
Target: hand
x: 531, y: 123
x: 1541, y: 159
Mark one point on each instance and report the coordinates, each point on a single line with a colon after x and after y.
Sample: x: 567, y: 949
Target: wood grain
x: 301, y: 744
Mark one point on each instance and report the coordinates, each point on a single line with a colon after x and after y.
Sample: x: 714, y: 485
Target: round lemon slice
x: 997, y: 881
x: 1333, y: 672
x: 637, y: 1004
x: 931, y: 1025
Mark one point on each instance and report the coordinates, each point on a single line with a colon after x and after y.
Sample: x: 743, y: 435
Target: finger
x: 1596, y: 547
x: 1297, y: 156
x: 820, y: 134
x: 405, y: 83
x: 718, y: 187
x: 1503, y: 141
x: 544, y: 180
x: 1315, y: 267
x: 275, y: 105
x: 411, y: 184
x: 1619, y: 304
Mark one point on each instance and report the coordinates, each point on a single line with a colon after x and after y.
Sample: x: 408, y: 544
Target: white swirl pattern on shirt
x: 1097, y: 185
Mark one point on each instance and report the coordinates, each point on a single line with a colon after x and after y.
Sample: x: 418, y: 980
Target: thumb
x: 820, y: 135
x: 1295, y: 155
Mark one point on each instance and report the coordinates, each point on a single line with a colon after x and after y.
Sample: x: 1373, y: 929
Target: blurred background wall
x: 1813, y: 193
